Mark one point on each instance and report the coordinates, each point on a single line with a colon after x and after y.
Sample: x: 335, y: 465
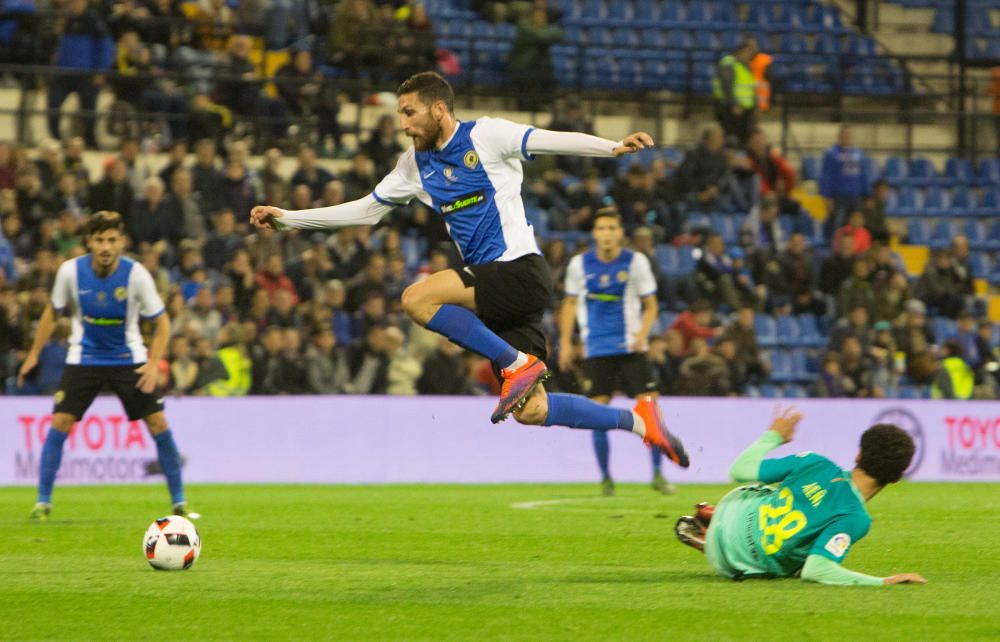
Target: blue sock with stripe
x: 170, y: 464
x: 657, y: 459
x: 52, y: 452
x: 602, y: 449
x: 463, y: 327
x: 576, y: 411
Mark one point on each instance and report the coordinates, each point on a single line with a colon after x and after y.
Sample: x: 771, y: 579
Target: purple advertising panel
x: 450, y: 439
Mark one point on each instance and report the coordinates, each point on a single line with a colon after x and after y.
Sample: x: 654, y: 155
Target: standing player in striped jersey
x: 611, y: 294
x: 106, y: 294
x: 470, y: 173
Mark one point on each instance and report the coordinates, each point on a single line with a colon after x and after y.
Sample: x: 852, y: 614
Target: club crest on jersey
x: 449, y: 173
x: 622, y: 276
x: 605, y: 280
x: 120, y: 293
x: 471, y: 159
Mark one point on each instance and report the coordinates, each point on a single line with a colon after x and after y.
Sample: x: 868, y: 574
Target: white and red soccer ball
x: 171, y: 543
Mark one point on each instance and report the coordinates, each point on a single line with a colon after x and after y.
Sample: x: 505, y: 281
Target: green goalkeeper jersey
x: 813, y: 509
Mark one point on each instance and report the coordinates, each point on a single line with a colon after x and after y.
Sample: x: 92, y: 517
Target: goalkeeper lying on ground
x: 809, y: 519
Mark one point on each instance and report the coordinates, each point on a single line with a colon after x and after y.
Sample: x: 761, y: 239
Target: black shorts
x: 511, y: 299
x: 81, y: 384
x: 628, y: 373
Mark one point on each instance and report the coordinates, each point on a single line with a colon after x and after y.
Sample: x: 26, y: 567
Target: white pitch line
x: 574, y: 500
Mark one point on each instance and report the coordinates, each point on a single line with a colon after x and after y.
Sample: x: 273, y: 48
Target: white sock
x: 638, y: 425
x: 518, y: 362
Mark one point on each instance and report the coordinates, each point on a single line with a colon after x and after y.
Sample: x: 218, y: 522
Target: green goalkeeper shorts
x: 729, y: 543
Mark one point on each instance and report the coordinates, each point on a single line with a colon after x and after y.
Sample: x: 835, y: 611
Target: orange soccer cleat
x: 657, y: 434
x: 517, y: 385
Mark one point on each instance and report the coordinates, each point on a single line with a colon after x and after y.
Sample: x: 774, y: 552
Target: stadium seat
x: 991, y: 203
x: 975, y: 231
x: 788, y: 331
x: 895, y: 171
x: 943, y: 232
x: 992, y: 241
x: 936, y: 202
x: 794, y: 391
x: 921, y: 172
x: 810, y: 168
x: 980, y: 264
x: 810, y: 334
x: 958, y: 171
x: 905, y: 202
x: 767, y: 330
x: 677, y: 39
x: 769, y: 391
x: 988, y: 172
x: 944, y: 328
x: 699, y: 14
x: 917, y: 232
x: 781, y: 367
x: 963, y: 202
x: 673, y: 15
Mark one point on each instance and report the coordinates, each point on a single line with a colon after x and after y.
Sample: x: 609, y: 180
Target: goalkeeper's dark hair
x: 430, y: 87
x: 102, y: 222
x: 886, y: 452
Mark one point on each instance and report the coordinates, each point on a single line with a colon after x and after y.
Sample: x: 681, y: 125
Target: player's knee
x: 156, y: 423
x: 415, y: 304
x: 63, y: 422
x: 534, y: 412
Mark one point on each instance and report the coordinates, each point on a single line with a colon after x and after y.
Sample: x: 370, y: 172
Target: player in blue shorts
x: 804, y: 514
x: 105, y: 295
x: 611, y: 295
x: 470, y: 173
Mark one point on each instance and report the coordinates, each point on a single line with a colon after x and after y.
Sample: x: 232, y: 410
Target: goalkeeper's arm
x: 747, y: 465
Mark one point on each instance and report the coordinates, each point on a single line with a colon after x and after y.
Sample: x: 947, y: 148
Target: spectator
x: 6, y: 167
x: 761, y: 231
x: 572, y: 118
x: 968, y: 340
x: 207, y: 178
x: 404, y: 370
x: 310, y: 270
x: 152, y: 220
x: 372, y: 311
x: 746, y: 351
x: 856, y: 368
x: 382, y: 146
x: 695, y: 323
x: 885, y: 371
x: 183, y: 366
x: 838, y: 267
x: 272, y: 277
x: 529, y: 63
x: 360, y: 179
x: 734, y: 92
x: 138, y: 169
x: 725, y: 349
x: 874, y: 211
x: 340, y: 320
x: 307, y: 95
x: 266, y: 359
x: 310, y: 174
x: 237, y: 373
x: 68, y: 197
x: 368, y: 363
x: 715, y: 275
x: 954, y: 378
x: 67, y: 238
x: 176, y: 159
x: 273, y: 183
x: 444, y: 372
x: 326, y: 365
x: 238, y: 191
x: 944, y: 284
x: 288, y: 374
x: 857, y: 289
x: 790, y: 278
x: 74, y: 163
x: 185, y: 208
x: 44, y: 380
x: 916, y: 340
x: 961, y: 263
x: 844, y: 180
x: 354, y: 37
x: 666, y: 354
x: 371, y: 280
x: 856, y: 323
x: 890, y: 298
x: 704, y: 373
x: 282, y: 312
x: 855, y: 227
x: 85, y: 50
x: 775, y: 174
x: 29, y: 196
x: 831, y: 381
x: 703, y: 175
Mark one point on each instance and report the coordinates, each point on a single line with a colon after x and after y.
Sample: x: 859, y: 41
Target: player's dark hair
x: 430, y: 87
x: 102, y: 222
x: 886, y: 451
x: 607, y: 212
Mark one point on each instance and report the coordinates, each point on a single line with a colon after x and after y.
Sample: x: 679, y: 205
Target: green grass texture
x: 446, y: 562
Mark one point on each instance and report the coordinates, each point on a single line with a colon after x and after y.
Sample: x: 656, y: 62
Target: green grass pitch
x: 462, y: 563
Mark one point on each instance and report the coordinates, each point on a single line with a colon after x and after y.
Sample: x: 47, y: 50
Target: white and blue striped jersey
x: 474, y: 182
x: 609, y: 300
x: 106, y: 311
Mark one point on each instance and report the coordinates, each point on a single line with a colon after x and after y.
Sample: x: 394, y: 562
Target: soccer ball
x: 171, y: 543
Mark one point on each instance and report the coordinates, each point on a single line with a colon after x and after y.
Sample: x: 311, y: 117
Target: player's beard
x: 426, y: 141
x: 105, y: 261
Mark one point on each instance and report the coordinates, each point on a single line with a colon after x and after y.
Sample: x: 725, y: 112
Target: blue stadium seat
x: 706, y: 40
x: 988, y: 172
x: 980, y: 264
x: 599, y: 37
x: 651, y: 38
x: 810, y: 168
x: 917, y: 232
x: 767, y: 330
x: 895, y: 171
x: 621, y: 12
x: 827, y: 44
x: 936, y: 202
x: 944, y: 328
x: 975, y: 231
x: 991, y: 203
x: 781, y: 367
x: 906, y: 202
x: 794, y: 391
x: 958, y: 171
x: 794, y: 43
x: 624, y: 37
x: 909, y: 392
x: 769, y: 391
x: 699, y: 14
x: 677, y: 39
x: 861, y: 46
x: 810, y: 334
x: 943, y: 232
x: 963, y: 202
x: 648, y: 13
x: 804, y: 368
x: 789, y: 334
x: 921, y: 172
x: 752, y: 392
x: 992, y: 241
x: 673, y: 15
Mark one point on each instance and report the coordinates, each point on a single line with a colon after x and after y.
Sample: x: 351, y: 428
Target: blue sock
x: 657, y: 458
x: 170, y: 464
x: 463, y: 327
x: 602, y: 449
x: 52, y: 452
x: 575, y: 411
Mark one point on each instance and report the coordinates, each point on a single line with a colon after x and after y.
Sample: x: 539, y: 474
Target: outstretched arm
x: 747, y: 465
x: 364, y: 211
x: 825, y: 571
x: 544, y: 141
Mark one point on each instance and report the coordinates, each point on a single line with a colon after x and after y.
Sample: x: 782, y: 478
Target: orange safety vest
x: 758, y: 67
x: 995, y: 89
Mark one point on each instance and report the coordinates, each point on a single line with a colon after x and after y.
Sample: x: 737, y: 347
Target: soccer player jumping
x: 807, y: 522
x: 470, y: 173
x: 106, y: 294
